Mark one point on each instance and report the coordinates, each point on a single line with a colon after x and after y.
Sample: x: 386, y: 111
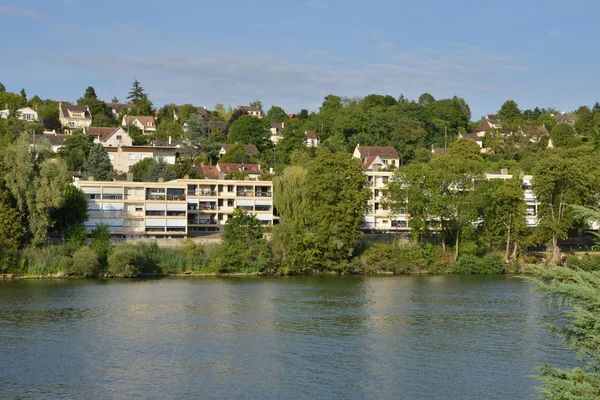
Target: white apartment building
x: 174, y: 209
x: 531, y: 202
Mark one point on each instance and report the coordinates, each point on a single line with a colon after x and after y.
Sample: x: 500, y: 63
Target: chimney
x: 271, y: 170
x: 130, y: 177
x: 169, y: 140
x: 161, y: 180
x: 221, y: 176
x: 504, y: 171
x: 90, y: 178
x: 186, y: 176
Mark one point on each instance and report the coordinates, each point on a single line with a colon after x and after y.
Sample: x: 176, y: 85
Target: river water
x: 409, y: 337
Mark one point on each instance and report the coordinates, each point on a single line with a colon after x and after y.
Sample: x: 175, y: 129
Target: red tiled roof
x: 233, y: 167
x: 210, y: 171
x: 311, y: 135
x: 102, y: 133
x: 385, y: 152
x: 542, y: 129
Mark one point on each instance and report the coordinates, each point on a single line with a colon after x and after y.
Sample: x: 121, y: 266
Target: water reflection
x: 283, y: 338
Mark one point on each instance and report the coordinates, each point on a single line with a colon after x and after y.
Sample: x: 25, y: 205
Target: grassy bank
x: 146, y: 259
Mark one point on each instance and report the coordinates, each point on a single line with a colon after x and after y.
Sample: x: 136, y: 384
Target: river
x: 408, y: 337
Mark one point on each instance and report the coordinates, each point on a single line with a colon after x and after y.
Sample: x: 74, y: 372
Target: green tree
x: 159, y: 169
x: 142, y: 104
x: 250, y: 130
x: 140, y: 168
x: 137, y: 92
x: 90, y: 93
x: 2, y: 87
x: 237, y: 154
x: 289, y: 196
x: 276, y: 114
x: 579, y: 290
x: 23, y: 97
x: 11, y: 236
x: 75, y: 150
x: 73, y: 212
x: 85, y: 262
x: 185, y: 112
x: 98, y: 164
x: 101, y: 243
x: 563, y: 135
x: 509, y: 112
x: 465, y: 149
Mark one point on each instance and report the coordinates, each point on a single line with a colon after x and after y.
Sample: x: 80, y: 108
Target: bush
x: 403, y: 259
x: 85, y: 262
x: 492, y: 263
x: 587, y: 263
x: 42, y: 261
x: 123, y: 262
x: 467, y: 265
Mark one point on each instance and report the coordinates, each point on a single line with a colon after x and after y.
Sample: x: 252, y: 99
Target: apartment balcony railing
x: 245, y: 194
x: 263, y: 194
x: 155, y: 197
x: 176, y: 198
x: 202, y: 222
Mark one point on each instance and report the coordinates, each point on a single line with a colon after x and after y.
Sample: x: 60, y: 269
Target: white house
x: 23, y: 113
x: 124, y: 157
x: 249, y: 148
x: 311, y: 139
x: 276, y: 131
x: 386, y: 154
x: 74, y: 117
x: 109, y: 136
x: 474, y: 137
x: 56, y: 141
x: 146, y: 124
x: 251, y: 110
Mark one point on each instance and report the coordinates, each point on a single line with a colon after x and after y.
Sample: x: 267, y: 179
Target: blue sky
x: 294, y: 53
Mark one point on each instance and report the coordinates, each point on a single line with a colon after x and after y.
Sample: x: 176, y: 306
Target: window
x: 229, y: 203
x: 131, y: 156
x: 230, y: 188
x: 119, y: 137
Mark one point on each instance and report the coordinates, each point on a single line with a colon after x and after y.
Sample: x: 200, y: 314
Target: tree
x: 465, y: 149
x: 85, y: 262
x: 560, y: 180
x: 73, y: 212
x: 137, y: 92
x: 509, y: 112
x: 101, y: 242
x: 250, y: 130
x: 579, y: 291
x: 186, y: 111
x: 276, y: 114
x: 563, y: 135
x: 23, y: 97
x: 75, y: 150
x: 337, y: 199
x: 90, y: 93
x: 114, y: 100
x: 142, y: 104
x: 237, y: 154
x: 222, y: 113
x: 159, y: 169
x: 98, y: 164
x: 2, y: 87
x: 257, y: 103
x: 11, y: 235
x: 140, y: 168
x: 289, y: 196
x: 426, y: 99
x: 585, y: 124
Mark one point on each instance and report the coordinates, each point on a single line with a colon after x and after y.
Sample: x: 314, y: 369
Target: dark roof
x: 250, y: 168
x: 385, y: 152
x: 249, y: 148
x: 68, y: 108
x: 214, y: 124
x: 118, y: 106
x: 277, y: 125
x: 483, y: 126
x: 542, y: 129
x: 249, y: 108
x: 311, y: 135
x: 564, y: 118
x: 102, y: 133
x: 492, y: 117
x: 201, y: 110
x: 471, y: 136
x: 55, y: 140
x: 439, y: 150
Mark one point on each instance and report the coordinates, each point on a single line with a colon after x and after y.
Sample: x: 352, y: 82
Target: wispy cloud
x: 555, y: 33
x: 317, y: 4
x: 19, y: 12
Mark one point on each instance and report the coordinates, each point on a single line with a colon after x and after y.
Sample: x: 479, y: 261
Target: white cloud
x: 20, y: 12
x: 317, y: 4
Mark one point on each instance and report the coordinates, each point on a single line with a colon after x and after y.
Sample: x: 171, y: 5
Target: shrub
x: 403, y: 259
x: 43, y: 261
x: 467, y: 265
x: 123, y: 262
x: 85, y: 262
x: 587, y: 263
x: 492, y: 263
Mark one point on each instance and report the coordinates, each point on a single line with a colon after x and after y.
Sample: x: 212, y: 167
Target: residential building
x: 564, y: 118
x: 253, y: 170
x: 439, y: 150
x: 124, y: 157
x: 472, y: 136
x: 57, y: 141
x: 277, y: 131
x: 531, y: 203
x: 74, y: 117
x: 249, y: 148
x: 174, y: 209
x: 109, y: 136
x: 147, y: 124
x: 387, y: 154
x: 311, y: 139
x: 23, y: 113
x: 116, y: 108
x: 251, y: 110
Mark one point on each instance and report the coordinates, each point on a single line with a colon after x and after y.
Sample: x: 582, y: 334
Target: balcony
x: 155, y: 229
x: 263, y: 194
x: 155, y: 197
x: 175, y: 229
x: 245, y: 193
x: 202, y: 222
x: 175, y: 197
x: 206, y: 192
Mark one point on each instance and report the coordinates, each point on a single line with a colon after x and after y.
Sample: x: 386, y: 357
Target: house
x: 277, y: 131
x: 564, y: 118
x: 124, y: 157
x: 472, y: 136
x: 146, y: 124
x: 23, y: 113
x: 311, y: 139
x: 116, y: 108
x: 251, y: 110
x: 253, y: 170
x: 439, y: 150
x: 209, y: 125
x: 109, y: 136
x: 387, y: 154
x: 74, y: 117
x: 249, y: 148
x: 487, y: 125
x: 57, y: 141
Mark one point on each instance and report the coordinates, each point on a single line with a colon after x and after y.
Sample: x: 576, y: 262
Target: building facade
x: 174, y: 209
x: 74, y: 117
x: 123, y: 158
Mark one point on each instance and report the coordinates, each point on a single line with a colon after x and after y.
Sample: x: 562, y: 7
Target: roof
x: 55, y: 140
x: 277, y: 125
x: 141, y: 149
x: 439, y: 150
x: 372, y: 160
x: 250, y: 108
x: 201, y: 110
x: 564, y: 118
x: 249, y: 148
x: 311, y: 135
x: 143, y: 119
x: 67, y: 109
x: 292, y: 116
x: 542, y: 129
x: 214, y: 124
x: 385, y: 152
x: 102, y: 133
x: 210, y: 171
x: 492, y: 116
x: 233, y: 167
x: 471, y: 136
